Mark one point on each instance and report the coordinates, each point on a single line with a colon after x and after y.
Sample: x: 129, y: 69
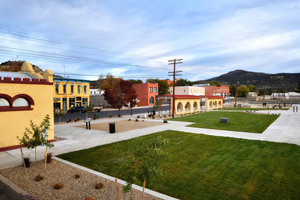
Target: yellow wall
x: 13, y: 123
x: 183, y: 102
x: 68, y: 93
x: 212, y: 104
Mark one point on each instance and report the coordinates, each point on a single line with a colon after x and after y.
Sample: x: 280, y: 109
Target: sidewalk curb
x: 12, y: 190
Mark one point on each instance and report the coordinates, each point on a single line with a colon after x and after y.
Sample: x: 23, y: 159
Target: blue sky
x: 135, y: 39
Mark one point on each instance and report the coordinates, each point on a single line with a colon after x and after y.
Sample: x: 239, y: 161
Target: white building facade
x: 188, y: 90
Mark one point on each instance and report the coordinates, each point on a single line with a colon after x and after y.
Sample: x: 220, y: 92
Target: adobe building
x: 68, y: 93
x: 24, y: 96
x: 146, y: 93
x: 188, y: 90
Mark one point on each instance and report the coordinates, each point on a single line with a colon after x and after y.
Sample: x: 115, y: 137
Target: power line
x: 58, y: 57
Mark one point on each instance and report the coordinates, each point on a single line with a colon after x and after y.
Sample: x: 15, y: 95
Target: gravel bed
x: 72, y: 189
x: 122, y: 126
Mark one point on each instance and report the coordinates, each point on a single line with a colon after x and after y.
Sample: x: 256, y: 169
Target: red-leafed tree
x: 121, y: 94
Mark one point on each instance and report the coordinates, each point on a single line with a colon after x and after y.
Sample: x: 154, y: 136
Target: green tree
x: 89, y: 109
x: 213, y: 82
x: 163, y: 87
x: 37, y: 135
x: 107, y: 82
x: 138, y: 81
x: 141, y: 163
x: 243, y: 91
x: 59, y: 114
x: 183, y: 82
x: 232, y: 90
x: 252, y: 88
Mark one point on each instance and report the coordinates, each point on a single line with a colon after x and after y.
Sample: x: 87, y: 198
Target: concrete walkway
x: 285, y: 129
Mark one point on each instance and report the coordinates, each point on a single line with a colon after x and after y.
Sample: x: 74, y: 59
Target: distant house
x: 146, y: 93
x: 188, y: 90
x: 68, y: 93
x: 252, y: 94
x: 169, y: 82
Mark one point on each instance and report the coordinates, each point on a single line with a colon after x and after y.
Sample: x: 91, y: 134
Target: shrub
x: 138, y: 116
x: 77, y: 176
x: 110, y: 116
x: 99, y: 185
x: 39, y: 177
x: 136, y: 120
x: 129, y: 119
x: 88, y: 198
x: 165, y: 121
x: 58, y: 186
x: 153, y: 117
x: 49, y: 157
x: 165, y: 116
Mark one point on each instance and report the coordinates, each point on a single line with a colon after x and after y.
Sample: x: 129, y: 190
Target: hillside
x: 15, y: 66
x: 280, y: 81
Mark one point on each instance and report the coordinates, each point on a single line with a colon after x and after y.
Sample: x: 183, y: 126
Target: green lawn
x: 238, y: 121
x: 210, y: 167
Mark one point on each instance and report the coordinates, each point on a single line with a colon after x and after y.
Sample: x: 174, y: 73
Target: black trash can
x: 112, y: 128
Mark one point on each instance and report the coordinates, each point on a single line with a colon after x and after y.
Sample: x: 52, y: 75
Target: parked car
x: 79, y: 109
x: 97, y: 109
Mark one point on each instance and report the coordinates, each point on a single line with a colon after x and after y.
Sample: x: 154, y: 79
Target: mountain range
x: 280, y: 82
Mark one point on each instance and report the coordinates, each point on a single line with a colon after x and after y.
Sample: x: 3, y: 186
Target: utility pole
x: 264, y: 91
x: 174, y: 62
x: 236, y: 87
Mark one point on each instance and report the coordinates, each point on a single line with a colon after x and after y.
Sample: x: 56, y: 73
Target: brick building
x: 146, y: 93
x: 217, y: 90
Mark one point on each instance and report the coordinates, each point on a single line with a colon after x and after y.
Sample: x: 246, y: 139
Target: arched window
x: 3, y: 102
x: 84, y: 89
x: 72, y: 89
x: 151, y: 100
x: 195, y: 106
x: 56, y: 88
x: 179, y: 107
x: 20, y: 102
x: 65, y: 89
x: 17, y: 103
x: 187, y: 106
x: 78, y: 89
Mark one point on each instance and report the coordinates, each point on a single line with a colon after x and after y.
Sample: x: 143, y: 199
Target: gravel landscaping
x: 73, y: 188
x: 124, y: 125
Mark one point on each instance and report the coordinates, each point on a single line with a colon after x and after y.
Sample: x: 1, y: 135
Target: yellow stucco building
x: 183, y: 103
x: 24, y: 96
x: 191, y: 103
x: 68, y: 93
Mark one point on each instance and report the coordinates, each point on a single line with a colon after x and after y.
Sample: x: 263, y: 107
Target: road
x: 105, y: 113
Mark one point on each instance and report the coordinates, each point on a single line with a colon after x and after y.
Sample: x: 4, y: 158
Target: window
x: 71, y: 102
x: 65, y: 89
x: 72, y: 89
x: 84, y: 89
x: 56, y: 88
x: 4, y: 102
x: 20, y: 102
x: 150, y: 89
x: 17, y: 103
x: 155, y: 89
x: 84, y: 101
x: 151, y: 100
x: 78, y: 89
